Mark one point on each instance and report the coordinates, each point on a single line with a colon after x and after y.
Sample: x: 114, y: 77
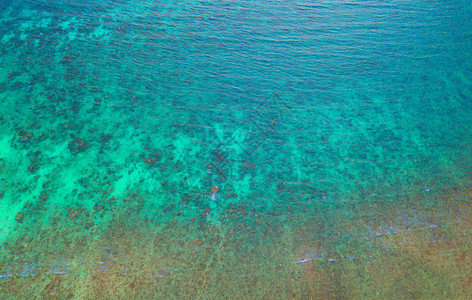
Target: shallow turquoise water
x: 293, y: 109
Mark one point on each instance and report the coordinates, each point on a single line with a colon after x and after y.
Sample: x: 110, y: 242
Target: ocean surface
x: 235, y: 149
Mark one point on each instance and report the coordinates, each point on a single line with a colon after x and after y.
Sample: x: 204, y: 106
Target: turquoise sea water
x: 327, y: 126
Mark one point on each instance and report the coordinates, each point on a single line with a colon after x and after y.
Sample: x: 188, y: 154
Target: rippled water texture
x: 238, y: 149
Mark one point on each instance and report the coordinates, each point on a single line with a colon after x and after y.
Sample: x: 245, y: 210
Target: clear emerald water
x: 338, y: 133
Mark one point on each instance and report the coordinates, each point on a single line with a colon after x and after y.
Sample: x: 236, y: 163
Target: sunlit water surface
x: 336, y: 136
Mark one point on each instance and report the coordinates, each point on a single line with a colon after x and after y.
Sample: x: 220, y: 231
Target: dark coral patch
x: 77, y: 145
